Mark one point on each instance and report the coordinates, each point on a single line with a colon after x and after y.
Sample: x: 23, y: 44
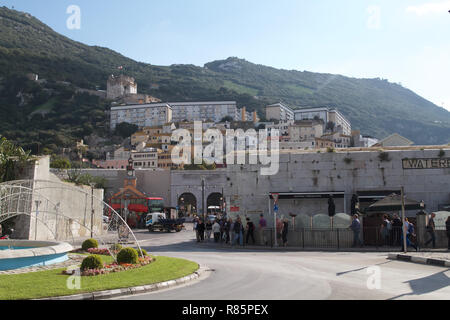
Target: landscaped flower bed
x: 114, y: 267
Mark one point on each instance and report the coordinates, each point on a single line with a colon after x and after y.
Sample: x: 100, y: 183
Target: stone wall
x: 348, y: 172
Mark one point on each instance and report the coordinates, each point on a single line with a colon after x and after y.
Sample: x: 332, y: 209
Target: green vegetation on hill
x: 52, y: 115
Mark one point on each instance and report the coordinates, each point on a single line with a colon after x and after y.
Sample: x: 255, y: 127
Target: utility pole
x: 203, y: 200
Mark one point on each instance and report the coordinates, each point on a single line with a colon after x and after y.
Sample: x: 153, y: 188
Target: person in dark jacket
x: 250, y: 229
x: 447, y: 226
x: 396, y: 230
x: 431, y: 227
x: 284, y: 233
x: 201, y: 230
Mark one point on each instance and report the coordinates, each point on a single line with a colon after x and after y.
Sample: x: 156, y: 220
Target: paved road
x: 268, y: 275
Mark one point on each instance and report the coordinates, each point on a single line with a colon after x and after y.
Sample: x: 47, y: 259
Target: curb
x: 421, y: 260
x: 297, y: 249
x: 107, y: 294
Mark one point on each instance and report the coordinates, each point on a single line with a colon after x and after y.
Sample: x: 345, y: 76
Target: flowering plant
x: 114, y: 267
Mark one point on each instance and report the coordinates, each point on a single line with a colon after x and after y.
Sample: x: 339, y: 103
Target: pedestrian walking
x: 410, y: 234
x: 197, y: 236
x: 201, y: 230
x: 284, y: 232
x: 237, y: 227
x: 447, y: 227
x: 262, y: 228
x: 279, y: 225
x: 356, y: 228
x: 232, y: 236
x: 385, y: 230
x: 431, y: 228
x: 396, y: 230
x: 208, y: 230
x: 250, y: 229
x: 216, y: 231
x: 227, y: 230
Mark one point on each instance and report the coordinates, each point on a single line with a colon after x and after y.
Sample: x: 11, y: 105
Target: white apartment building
x: 203, y: 111
x: 280, y: 112
x: 342, y: 125
x: 142, y: 115
x: 146, y: 158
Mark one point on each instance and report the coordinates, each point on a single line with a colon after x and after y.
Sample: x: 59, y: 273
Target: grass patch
x: 240, y: 88
x: 52, y: 283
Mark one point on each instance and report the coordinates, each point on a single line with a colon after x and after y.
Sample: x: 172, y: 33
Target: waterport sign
x: 430, y: 163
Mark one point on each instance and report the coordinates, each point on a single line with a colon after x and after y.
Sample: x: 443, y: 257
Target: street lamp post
x: 56, y: 219
x: 37, y: 202
x: 92, y: 184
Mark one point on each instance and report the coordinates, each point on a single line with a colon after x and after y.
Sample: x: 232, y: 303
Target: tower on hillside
x: 120, y: 86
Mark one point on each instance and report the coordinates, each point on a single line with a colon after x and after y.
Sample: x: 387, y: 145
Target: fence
x: 331, y: 238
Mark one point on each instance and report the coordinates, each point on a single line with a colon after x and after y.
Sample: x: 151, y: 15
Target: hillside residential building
x: 305, y: 130
x: 121, y: 153
x: 110, y: 164
x: 394, y: 140
x: 203, y: 111
x: 282, y: 127
x: 279, y: 112
x: 321, y: 143
x: 340, y: 140
x: 327, y: 115
x: 145, y: 115
x: 138, y: 137
x: 146, y: 158
x: 165, y: 160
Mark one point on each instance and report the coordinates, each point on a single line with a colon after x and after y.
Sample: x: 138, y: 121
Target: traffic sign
x: 275, y: 208
x: 275, y: 197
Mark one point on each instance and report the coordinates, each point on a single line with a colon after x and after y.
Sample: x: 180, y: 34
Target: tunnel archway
x: 187, y: 204
x: 214, y: 203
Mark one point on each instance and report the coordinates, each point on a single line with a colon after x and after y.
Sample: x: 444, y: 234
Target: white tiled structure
x: 203, y: 111
x: 142, y: 115
x: 159, y: 114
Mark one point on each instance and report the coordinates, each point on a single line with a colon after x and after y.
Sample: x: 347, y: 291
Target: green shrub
x: 116, y: 247
x: 143, y: 252
x: 89, y: 243
x: 127, y: 255
x: 92, y: 262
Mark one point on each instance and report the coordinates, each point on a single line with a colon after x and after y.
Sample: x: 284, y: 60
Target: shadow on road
x: 426, y: 285
x: 361, y: 269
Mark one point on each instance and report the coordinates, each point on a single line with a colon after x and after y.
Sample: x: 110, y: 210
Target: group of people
x: 392, y: 233
x: 229, y: 231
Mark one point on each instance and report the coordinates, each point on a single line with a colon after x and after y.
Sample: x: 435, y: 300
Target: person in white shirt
x: 216, y: 231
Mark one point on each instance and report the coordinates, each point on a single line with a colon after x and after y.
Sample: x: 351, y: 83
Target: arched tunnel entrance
x: 187, y: 203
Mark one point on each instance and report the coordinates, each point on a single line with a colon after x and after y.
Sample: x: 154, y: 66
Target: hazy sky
x: 405, y: 41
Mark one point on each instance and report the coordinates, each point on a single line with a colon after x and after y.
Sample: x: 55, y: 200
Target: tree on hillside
x: 227, y: 119
x: 125, y: 129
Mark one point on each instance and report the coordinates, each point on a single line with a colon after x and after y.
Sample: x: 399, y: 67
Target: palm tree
x: 12, y: 157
